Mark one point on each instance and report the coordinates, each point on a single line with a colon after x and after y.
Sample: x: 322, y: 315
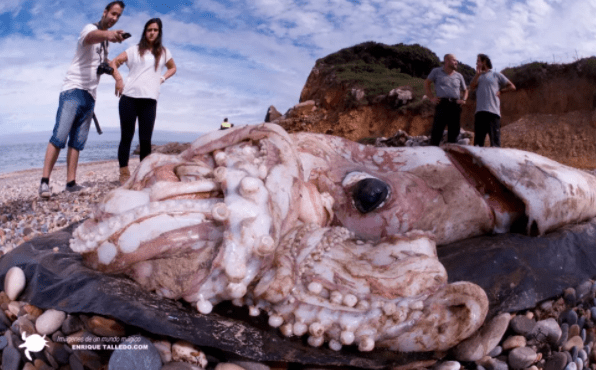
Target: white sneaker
x: 44, y: 190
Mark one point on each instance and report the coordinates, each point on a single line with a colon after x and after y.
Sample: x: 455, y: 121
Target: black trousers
x: 130, y: 109
x: 487, y: 123
x: 447, y: 113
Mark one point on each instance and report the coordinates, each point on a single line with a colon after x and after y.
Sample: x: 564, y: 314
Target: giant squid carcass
x: 333, y: 239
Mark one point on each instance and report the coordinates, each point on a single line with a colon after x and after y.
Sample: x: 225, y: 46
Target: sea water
x: 27, y: 150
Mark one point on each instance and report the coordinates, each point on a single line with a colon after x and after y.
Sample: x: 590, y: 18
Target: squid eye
x: 369, y: 194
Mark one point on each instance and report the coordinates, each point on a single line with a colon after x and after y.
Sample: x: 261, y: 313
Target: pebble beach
x: 558, y: 334
x: 24, y: 215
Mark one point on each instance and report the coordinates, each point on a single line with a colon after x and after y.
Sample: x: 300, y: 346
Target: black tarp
x: 516, y: 271
x: 57, y: 279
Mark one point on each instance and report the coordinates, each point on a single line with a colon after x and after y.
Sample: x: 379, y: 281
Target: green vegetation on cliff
x: 535, y: 73
x: 378, y: 68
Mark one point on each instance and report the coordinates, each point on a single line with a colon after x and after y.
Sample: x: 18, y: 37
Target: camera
x: 125, y: 35
x: 104, y: 68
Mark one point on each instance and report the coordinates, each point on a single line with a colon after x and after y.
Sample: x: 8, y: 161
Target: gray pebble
x: 582, y: 354
x: 58, y: 336
x: 581, y: 322
x: 571, y: 366
x: 23, y: 325
x: 496, y: 351
x: 494, y: 364
x: 522, y: 357
x: 75, y: 363
x: 568, y: 316
x: 123, y: 359
x: 59, y: 352
x: 522, y: 325
x: 3, y: 342
x: 573, y: 353
x: 11, y: 359
x: 5, y: 321
x: 564, y: 334
x: 51, y: 360
x: 547, y: 330
x: 580, y: 363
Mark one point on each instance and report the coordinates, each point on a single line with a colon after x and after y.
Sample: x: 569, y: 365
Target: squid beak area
x: 509, y: 211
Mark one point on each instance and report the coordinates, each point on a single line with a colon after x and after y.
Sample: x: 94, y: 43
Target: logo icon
x: 33, y: 343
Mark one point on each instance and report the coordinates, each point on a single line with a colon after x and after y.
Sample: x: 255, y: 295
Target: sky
x: 236, y: 58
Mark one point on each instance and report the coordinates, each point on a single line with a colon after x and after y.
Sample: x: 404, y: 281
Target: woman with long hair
x: 138, y: 95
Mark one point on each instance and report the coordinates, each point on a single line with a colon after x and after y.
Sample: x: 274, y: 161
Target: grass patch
x: 378, y: 68
x: 375, y: 79
x: 535, y: 73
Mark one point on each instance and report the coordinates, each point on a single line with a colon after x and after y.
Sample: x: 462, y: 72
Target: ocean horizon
x: 27, y: 150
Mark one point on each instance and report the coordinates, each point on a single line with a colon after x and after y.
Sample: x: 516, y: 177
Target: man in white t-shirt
x: 77, y: 97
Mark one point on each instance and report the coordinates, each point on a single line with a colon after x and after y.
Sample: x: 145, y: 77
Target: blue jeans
x: 73, y: 119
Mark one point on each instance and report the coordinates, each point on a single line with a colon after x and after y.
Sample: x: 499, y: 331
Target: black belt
x: 448, y: 100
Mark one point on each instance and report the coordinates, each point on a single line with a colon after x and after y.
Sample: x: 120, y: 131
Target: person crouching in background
x: 138, y: 95
x: 225, y: 124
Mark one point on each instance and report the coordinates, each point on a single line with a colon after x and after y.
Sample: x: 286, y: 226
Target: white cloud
x: 236, y: 58
x: 10, y: 6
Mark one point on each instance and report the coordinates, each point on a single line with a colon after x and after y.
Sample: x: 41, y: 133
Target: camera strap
x: 103, y: 48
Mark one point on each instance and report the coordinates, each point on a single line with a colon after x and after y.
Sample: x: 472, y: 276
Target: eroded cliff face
x: 552, y: 116
x: 326, y: 106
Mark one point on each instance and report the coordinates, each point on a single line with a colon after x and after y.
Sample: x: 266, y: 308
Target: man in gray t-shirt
x: 490, y: 85
x: 448, y: 86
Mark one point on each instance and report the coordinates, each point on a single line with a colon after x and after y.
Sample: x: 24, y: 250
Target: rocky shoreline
x: 558, y: 334
x: 23, y: 215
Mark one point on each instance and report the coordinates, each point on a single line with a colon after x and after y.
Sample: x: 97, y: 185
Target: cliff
x: 375, y: 90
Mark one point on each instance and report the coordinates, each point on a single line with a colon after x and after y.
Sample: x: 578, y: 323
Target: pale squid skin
x: 289, y: 224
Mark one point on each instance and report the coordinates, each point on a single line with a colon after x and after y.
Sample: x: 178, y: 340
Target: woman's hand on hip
x: 119, y: 87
